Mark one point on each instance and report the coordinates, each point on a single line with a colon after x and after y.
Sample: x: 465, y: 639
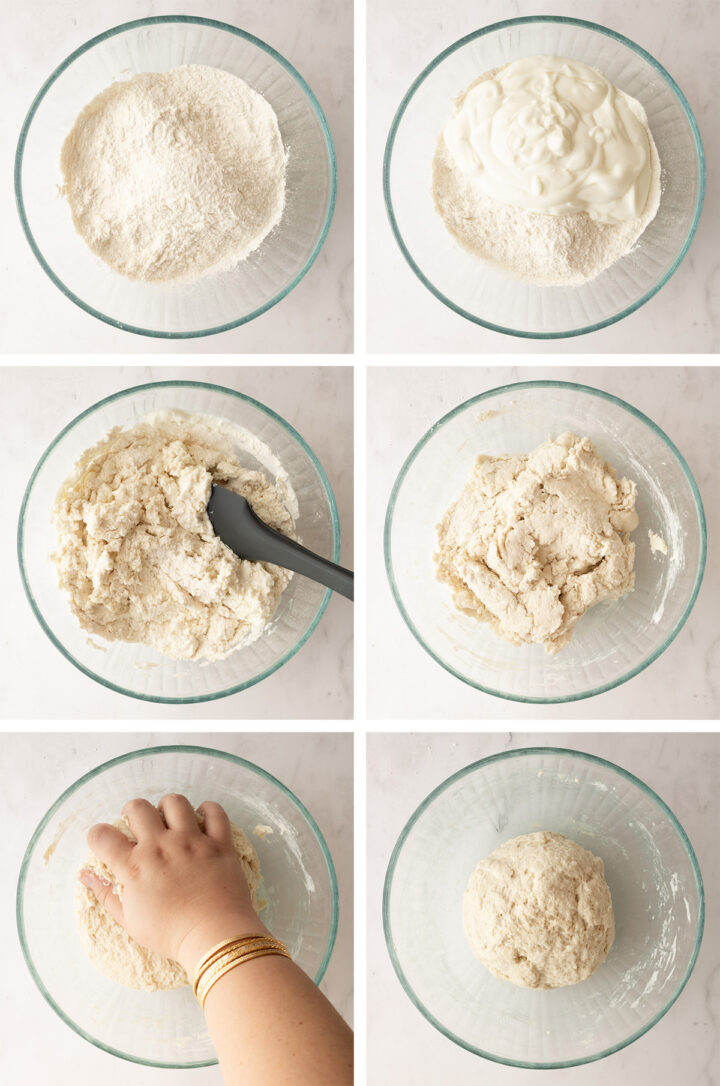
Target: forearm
x: 265, y: 1016
x: 185, y: 896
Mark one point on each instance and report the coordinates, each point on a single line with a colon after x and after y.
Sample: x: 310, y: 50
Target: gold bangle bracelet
x: 232, y: 951
x: 237, y: 952
x: 224, y: 967
x: 231, y: 954
x: 228, y: 967
x: 220, y: 947
x: 218, y: 951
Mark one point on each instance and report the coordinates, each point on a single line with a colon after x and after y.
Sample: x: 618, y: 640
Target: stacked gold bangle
x: 225, y: 956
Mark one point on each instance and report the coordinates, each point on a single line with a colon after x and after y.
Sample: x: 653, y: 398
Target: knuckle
x: 95, y: 833
x: 134, y: 869
x: 134, y: 805
x: 172, y: 797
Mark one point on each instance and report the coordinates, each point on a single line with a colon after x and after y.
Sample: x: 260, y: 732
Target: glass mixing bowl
x: 651, y: 870
x: 213, y: 303
x: 474, y: 288
x: 138, y: 670
x: 616, y: 639
x: 167, y: 1029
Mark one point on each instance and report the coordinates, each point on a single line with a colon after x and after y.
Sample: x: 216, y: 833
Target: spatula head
x: 243, y: 532
x: 235, y: 523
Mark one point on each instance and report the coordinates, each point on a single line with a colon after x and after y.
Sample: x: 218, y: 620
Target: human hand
x: 183, y: 889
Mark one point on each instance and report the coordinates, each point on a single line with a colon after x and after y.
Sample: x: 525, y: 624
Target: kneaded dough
x: 535, y: 540
x: 537, y: 911
x: 137, y: 555
x: 117, y: 954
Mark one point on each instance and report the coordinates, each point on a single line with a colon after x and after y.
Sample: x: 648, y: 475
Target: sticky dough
x: 538, y: 913
x: 115, y: 953
x: 137, y: 555
x: 535, y: 540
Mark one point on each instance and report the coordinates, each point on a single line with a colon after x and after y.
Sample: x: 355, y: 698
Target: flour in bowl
x: 170, y: 175
x: 547, y: 170
x: 136, y: 553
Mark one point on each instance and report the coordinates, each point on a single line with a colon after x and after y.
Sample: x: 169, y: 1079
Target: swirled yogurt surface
x: 553, y: 136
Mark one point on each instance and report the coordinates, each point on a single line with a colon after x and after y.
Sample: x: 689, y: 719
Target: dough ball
x: 537, y: 912
x: 115, y: 953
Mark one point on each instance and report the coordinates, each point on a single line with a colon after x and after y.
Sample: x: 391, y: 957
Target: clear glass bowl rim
x: 585, y: 24
x: 575, y: 387
x: 522, y: 753
x: 235, y: 689
x: 152, y: 21
x: 132, y: 755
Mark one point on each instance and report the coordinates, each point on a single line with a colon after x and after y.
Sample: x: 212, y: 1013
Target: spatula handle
x: 278, y: 549
x: 301, y: 560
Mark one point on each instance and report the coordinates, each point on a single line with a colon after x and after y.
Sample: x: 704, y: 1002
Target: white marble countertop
x: 680, y: 1049
x: 403, y: 682
x: 37, y: 1046
x: 317, y: 38
x: 315, y: 684
x: 403, y: 316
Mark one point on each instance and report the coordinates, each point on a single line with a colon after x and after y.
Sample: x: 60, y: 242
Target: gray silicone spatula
x: 249, y: 537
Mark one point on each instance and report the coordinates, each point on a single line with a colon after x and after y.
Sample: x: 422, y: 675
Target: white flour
x: 545, y: 249
x: 170, y: 175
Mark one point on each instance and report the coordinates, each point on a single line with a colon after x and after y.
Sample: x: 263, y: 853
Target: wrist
x: 212, y: 930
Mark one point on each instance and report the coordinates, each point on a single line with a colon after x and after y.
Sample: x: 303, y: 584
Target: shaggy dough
x: 534, y: 541
x: 537, y: 912
x: 114, y: 952
x: 136, y: 552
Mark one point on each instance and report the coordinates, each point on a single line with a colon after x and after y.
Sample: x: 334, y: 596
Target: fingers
x: 178, y: 813
x: 104, y: 893
x: 110, y: 846
x: 217, y: 823
x: 144, y: 819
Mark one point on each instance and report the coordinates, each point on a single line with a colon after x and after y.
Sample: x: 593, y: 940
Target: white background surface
x: 316, y: 37
x: 403, y: 37
x: 38, y: 682
x: 403, y: 681
x: 681, y: 1050
x: 37, y: 1047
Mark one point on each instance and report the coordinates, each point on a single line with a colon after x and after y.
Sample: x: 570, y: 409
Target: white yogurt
x: 553, y: 136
